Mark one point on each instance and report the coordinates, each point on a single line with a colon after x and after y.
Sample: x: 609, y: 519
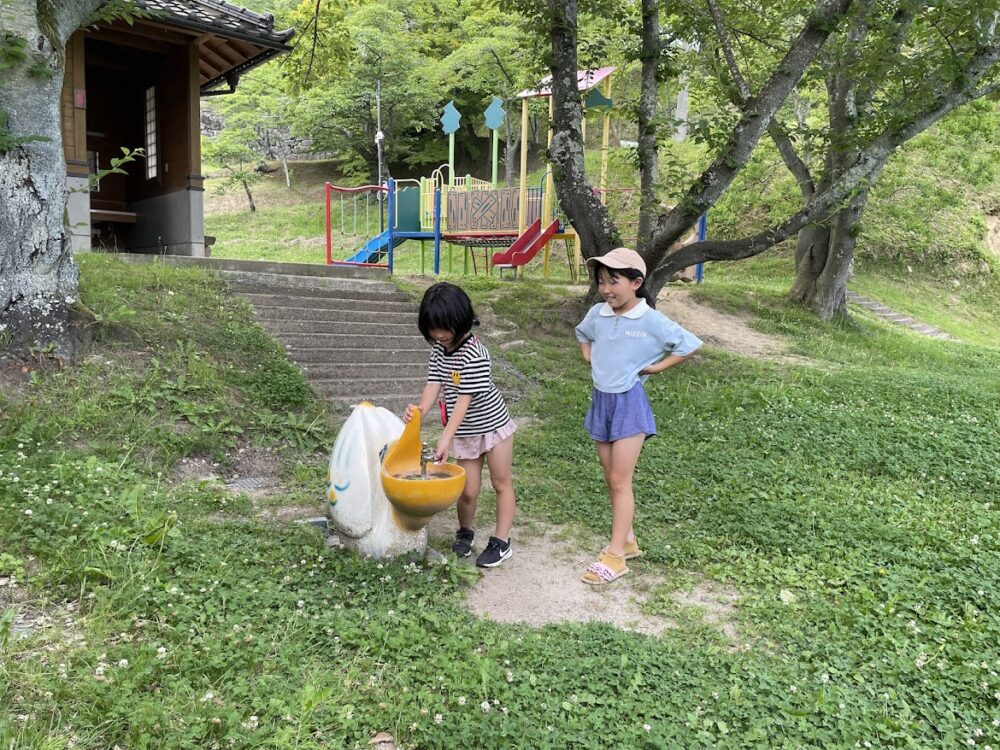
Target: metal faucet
x: 427, y: 455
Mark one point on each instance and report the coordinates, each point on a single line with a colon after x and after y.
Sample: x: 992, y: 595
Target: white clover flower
x: 485, y: 705
x: 29, y: 512
x: 974, y: 540
x: 300, y: 604
x: 207, y: 696
x: 510, y: 676
x: 647, y: 727
x: 123, y: 663
x: 461, y: 700
x: 824, y: 678
x: 161, y: 652
x: 438, y: 718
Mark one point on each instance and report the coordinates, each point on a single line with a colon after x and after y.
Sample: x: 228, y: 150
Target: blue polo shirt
x: 622, y: 345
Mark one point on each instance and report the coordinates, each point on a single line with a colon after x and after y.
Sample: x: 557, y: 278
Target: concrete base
x: 172, y: 224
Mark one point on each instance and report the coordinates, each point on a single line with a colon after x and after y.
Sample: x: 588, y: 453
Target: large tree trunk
x: 38, y: 276
x: 589, y: 216
x: 646, y: 115
x: 825, y: 259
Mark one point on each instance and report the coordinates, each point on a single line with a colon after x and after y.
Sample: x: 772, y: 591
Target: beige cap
x: 620, y: 257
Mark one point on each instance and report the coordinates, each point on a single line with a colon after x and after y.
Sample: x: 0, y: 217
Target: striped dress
x: 468, y: 371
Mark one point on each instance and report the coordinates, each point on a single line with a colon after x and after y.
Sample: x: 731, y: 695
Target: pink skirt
x: 474, y: 446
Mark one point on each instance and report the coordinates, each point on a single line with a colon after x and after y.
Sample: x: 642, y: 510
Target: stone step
x: 332, y: 355
x: 347, y: 301
x: 394, y: 403
x: 360, y: 389
x: 240, y: 279
x: 318, y: 372
x: 336, y: 288
x: 350, y: 341
x: 373, y: 330
x: 343, y: 315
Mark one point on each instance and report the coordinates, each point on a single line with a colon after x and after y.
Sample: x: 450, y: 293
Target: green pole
x: 451, y: 159
x: 496, y: 144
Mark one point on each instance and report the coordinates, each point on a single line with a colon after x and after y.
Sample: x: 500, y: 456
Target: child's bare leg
x: 500, y: 460
x: 604, y: 454
x: 624, y: 454
x: 469, y: 498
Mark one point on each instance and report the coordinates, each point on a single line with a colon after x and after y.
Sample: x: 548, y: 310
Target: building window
x: 151, y: 161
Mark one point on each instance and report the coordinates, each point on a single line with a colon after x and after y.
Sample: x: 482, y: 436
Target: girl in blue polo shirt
x: 625, y: 340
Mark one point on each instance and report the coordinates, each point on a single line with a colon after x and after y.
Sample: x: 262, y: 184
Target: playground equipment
x: 381, y: 507
x: 465, y: 211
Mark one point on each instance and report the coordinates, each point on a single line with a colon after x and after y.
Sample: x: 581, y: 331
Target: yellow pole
x: 605, y: 127
x: 549, y: 180
x: 522, y: 201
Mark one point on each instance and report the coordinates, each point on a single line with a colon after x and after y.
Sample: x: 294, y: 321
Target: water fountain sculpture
x: 382, y: 490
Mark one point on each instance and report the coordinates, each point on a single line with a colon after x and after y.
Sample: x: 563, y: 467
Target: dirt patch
x: 540, y: 585
x: 255, y: 462
x: 195, y: 469
x: 732, y: 333
x: 716, y: 602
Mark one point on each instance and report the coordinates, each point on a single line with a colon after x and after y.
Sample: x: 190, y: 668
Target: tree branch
x: 755, y: 119
x: 734, y: 70
x: 866, y: 167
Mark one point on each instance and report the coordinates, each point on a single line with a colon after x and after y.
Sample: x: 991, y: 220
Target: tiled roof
x: 222, y: 18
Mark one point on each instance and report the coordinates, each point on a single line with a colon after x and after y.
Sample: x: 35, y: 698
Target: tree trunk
x: 648, y: 137
x: 246, y: 187
x: 824, y: 267
x: 598, y: 233
x: 38, y: 276
x: 510, y: 153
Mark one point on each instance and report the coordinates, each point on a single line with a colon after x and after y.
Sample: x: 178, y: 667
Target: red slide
x: 527, y: 245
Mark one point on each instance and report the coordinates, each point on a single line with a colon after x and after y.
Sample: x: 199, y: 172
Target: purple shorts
x: 614, y: 416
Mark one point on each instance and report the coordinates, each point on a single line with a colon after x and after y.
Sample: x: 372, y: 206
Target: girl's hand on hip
x: 442, y: 450
x: 411, y: 409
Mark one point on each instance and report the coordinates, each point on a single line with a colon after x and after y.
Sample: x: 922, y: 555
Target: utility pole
x: 379, y: 137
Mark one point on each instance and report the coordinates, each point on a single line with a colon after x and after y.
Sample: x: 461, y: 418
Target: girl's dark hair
x: 628, y: 273
x: 447, y: 307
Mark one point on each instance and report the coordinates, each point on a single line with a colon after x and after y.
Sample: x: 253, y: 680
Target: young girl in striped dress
x: 478, y: 424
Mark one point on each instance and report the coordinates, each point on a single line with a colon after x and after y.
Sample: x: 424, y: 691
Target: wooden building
x: 139, y: 86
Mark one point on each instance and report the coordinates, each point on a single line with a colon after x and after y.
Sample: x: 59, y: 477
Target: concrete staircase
x: 354, y: 338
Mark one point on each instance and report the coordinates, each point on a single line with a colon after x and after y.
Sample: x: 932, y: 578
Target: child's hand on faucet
x: 442, y: 450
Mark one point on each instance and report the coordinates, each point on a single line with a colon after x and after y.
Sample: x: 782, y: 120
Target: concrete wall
x: 172, y: 224
x: 78, y: 212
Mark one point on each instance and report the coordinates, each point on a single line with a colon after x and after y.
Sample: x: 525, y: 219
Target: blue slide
x: 376, y: 248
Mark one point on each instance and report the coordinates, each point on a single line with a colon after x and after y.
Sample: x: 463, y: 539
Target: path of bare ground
x: 731, y: 333
x: 540, y: 585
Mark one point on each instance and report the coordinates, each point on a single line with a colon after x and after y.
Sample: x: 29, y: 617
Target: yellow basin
x: 416, y: 501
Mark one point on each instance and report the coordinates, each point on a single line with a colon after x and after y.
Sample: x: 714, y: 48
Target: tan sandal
x: 632, y: 550
x: 608, y: 568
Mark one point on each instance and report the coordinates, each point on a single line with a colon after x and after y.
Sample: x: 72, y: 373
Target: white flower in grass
x: 647, y: 727
x: 485, y: 705
x: 438, y: 718
x: 123, y: 663
x: 461, y: 700
x: 161, y: 652
x: 974, y: 540
x: 207, y: 696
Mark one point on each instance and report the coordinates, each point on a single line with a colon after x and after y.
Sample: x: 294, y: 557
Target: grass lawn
x: 852, y: 502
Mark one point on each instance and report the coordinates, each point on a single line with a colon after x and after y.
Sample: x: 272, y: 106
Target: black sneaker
x: 462, y: 546
x: 495, y: 553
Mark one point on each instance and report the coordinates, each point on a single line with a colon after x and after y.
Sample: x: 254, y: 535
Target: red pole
x: 329, y: 239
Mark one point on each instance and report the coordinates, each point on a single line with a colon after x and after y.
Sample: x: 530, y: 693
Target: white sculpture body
x: 357, y: 505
